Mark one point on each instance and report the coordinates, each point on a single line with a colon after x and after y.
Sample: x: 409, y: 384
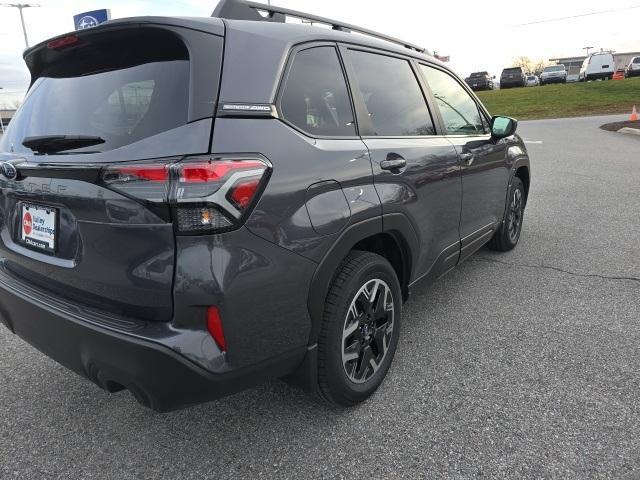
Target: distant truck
x: 480, y: 81
x: 512, y: 77
x: 553, y: 74
x: 598, y: 66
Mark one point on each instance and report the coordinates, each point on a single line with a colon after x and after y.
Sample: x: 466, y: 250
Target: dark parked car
x: 512, y: 77
x: 480, y: 81
x: 193, y: 206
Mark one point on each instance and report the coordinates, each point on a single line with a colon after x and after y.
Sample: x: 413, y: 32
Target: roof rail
x: 248, y: 10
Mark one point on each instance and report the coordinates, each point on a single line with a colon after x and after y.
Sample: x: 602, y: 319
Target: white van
x: 598, y: 66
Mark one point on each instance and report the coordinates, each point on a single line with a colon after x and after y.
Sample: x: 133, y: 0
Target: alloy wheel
x: 515, y: 215
x: 367, y: 331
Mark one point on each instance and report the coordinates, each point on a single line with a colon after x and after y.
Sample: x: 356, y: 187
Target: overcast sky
x: 478, y: 35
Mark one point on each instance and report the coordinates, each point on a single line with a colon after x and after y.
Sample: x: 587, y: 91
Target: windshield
x: 636, y: 60
x: 479, y: 74
x: 121, y: 106
x: 554, y: 68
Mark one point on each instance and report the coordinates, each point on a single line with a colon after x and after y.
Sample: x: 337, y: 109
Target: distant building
x: 573, y: 64
x: 6, y: 116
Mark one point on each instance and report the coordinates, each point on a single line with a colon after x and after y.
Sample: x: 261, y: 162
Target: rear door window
x: 315, y: 97
x: 392, y: 95
x: 459, y: 111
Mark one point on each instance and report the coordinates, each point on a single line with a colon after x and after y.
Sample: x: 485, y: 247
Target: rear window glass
x: 315, y: 96
x: 120, y: 105
x: 512, y: 70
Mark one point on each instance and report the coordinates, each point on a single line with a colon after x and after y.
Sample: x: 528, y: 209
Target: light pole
x: 20, y: 7
x: 587, y: 49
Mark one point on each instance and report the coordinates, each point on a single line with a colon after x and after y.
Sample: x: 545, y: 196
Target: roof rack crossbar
x: 248, y: 10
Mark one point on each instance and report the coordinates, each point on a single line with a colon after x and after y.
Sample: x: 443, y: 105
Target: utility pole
x: 587, y: 49
x: 20, y: 7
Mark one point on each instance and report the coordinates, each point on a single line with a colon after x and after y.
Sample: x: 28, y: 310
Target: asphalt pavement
x: 517, y: 365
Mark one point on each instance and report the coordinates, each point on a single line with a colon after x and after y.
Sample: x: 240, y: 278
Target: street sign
x: 91, y: 19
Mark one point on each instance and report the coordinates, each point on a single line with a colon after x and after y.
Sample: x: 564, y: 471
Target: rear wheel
x: 508, y: 234
x: 360, y: 329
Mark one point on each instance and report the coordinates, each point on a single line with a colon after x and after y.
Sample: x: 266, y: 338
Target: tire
x: 507, y: 236
x: 349, y: 375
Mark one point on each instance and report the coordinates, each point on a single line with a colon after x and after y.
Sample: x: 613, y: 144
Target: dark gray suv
x: 190, y: 206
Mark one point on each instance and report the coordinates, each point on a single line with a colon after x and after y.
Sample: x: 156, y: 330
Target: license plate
x: 39, y: 226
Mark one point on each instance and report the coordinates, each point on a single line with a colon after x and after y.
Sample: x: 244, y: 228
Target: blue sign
x: 91, y: 19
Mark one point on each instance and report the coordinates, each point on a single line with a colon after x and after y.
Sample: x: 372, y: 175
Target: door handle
x: 393, y: 164
x: 467, y: 157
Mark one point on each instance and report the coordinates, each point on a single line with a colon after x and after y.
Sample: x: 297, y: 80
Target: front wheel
x: 360, y: 329
x: 507, y: 236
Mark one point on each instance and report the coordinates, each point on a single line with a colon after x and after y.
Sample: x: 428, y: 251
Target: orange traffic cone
x: 634, y: 115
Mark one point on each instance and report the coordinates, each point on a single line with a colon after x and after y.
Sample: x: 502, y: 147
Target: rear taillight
x: 143, y: 181
x: 206, y: 194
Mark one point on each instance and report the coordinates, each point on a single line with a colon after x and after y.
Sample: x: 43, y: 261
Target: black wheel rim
x: 367, y: 331
x: 514, y: 222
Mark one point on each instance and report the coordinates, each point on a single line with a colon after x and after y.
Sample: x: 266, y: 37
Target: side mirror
x: 502, y: 127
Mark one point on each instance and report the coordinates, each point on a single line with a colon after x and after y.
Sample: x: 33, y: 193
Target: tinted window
x: 459, y: 112
x: 392, y: 95
x: 315, y: 96
x: 636, y: 60
x: 509, y: 71
x: 122, y: 88
x: 121, y: 106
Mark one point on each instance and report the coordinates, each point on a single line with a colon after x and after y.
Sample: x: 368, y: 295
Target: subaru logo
x: 87, y: 22
x: 8, y: 170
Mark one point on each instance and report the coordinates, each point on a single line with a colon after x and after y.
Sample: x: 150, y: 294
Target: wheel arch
x: 522, y: 172
x: 390, y: 236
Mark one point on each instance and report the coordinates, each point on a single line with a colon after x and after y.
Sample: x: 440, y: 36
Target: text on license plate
x: 38, y: 225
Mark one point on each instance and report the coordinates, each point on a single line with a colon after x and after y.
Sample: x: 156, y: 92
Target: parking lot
x: 525, y: 364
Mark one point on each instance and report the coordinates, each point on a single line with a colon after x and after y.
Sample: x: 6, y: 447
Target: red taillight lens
x: 145, y: 181
x: 214, y: 325
x: 214, y: 170
x: 134, y: 173
x: 243, y: 192
x: 64, y: 42
x: 154, y: 173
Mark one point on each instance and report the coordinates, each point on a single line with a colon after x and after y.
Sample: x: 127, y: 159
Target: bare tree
x: 530, y: 67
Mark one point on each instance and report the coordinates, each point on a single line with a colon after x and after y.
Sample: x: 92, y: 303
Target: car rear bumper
x: 511, y: 83
x: 121, y: 354
x: 553, y: 80
x: 599, y: 75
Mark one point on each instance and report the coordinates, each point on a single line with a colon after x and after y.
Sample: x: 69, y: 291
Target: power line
x: 557, y: 19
